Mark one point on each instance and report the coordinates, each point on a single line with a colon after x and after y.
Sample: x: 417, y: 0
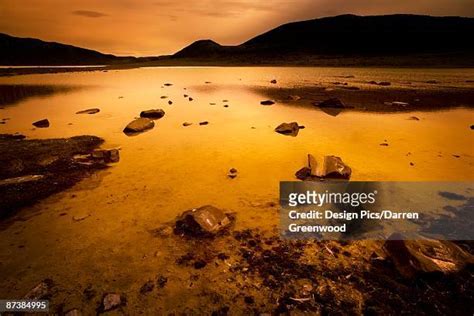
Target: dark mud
x: 374, y: 99
x: 51, y: 159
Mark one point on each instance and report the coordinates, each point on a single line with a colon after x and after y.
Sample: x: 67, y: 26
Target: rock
x: 23, y: 179
x: 332, y: 103
x: 73, y: 312
x: 331, y: 167
x: 185, y: 95
x: 204, y: 221
x: 413, y: 118
x: 41, y: 123
x: 472, y: 126
x: 89, y: 111
x: 199, y: 264
x: 425, y: 256
x: 226, y: 105
x: 153, y: 114
x: 187, y: 124
x: 139, y: 125
x: 303, y: 174
x: 384, y: 83
x: 397, y: 103
x: 203, y: 123
x: 273, y: 81
x: 147, y: 287
x: 41, y: 291
x: 106, y: 155
x: 111, y: 301
x: 12, y: 136
x: 334, y: 167
x: 163, y: 97
x: 168, y: 84
x: 384, y: 144
x: 212, y: 103
x: 161, y: 281
x: 267, y: 102
x: 190, y: 99
x: 232, y: 173
x: 170, y: 102
x: 225, y: 101
x: 290, y: 129
x: 80, y: 218
x: 294, y: 97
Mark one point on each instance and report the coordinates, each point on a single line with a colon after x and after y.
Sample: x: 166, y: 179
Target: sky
x: 161, y: 27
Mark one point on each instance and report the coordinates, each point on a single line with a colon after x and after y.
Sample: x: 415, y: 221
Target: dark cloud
x: 89, y: 14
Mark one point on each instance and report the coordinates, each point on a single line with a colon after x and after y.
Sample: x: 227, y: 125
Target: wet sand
x: 173, y: 168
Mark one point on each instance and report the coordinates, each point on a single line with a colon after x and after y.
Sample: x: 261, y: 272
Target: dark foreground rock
x: 331, y: 103
x: 331, y: 167
x: 426, y: 256
x: 138, y: 126
x: 47, y: 164
x: 153, y: 114
x: 204, y: 221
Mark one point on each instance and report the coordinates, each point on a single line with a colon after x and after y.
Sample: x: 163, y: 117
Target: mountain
x: 29, y: 51
x: 350, y: 36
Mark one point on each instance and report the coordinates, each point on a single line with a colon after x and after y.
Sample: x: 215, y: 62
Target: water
x: 172, y: 168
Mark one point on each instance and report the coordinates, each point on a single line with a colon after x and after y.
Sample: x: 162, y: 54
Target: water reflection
x: 11, y: 94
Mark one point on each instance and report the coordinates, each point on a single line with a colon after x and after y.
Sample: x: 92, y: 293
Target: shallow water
x: 172, y: 168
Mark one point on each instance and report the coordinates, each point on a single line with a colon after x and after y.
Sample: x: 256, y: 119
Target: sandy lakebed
x: 111, y: 229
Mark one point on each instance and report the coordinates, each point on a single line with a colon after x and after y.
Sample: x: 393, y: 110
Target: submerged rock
x: 42, y: 123
x: 12, y: 136
x: 89, y: 111
x: 267, y: 102
x: 332, y: 103
x: 290, y: 129
x: 153, y: 114
x: 421, y: 256
x: 204, y: 221
x: 139, y: 125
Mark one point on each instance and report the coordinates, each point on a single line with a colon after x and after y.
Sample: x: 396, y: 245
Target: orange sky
x: 157, y: 27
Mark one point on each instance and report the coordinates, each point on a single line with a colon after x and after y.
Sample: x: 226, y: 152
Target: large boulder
x: 290, y: 129
x: 153, y: 114
x: 139, y: 125
x: 201, y: 222
x: 425, y: 256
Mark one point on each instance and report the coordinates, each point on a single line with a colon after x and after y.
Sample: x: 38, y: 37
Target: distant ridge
x: 344, y: 40
x: 349, y: 35
x: 29, y: 51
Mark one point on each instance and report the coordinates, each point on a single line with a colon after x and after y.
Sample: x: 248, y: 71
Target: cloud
x: 89, y: 14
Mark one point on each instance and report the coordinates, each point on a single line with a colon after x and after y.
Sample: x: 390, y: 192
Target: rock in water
x: 334, y: 167
x: 153, y: 114
x: 41, y: 123
x: 203, y: 123
x: 267, y: 102
x: 332, y: 103
x: 273, y: 81
x: 89, y: 111
x: 106, y: 155
x: 204, y: 221
x: 187, y: 124
x: 290, y: 129
x: 139, y: 125
x: 111, y: 301
x: 422, y: 256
